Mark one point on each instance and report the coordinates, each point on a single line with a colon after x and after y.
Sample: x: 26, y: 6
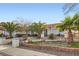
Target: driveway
x: 3, y: 47
x: 23, y: 52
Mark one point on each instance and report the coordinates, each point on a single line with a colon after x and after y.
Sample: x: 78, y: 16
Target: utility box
x: 1, y: 41
x: 15, y: 42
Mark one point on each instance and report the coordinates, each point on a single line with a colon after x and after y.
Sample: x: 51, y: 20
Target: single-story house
x: 51, y: 29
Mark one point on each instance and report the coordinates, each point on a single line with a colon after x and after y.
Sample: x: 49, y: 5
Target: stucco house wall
x: 52, y: 30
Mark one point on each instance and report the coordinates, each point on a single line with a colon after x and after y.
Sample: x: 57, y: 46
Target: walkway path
x: 8, y: 50
x: 23, y: 52
x: 3, y: 47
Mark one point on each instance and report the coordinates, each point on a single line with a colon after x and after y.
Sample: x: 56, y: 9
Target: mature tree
x: 10, y: 27
x: 66, y: 25
x: 38, y: 28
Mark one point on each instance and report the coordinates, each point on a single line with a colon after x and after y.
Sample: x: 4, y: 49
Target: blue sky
x: 49, y: 13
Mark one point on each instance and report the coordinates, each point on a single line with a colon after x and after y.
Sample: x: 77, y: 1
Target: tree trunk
x: 39, y: 35
x: 26, y: 36
x: 10, y: 34
x: 70, y: 38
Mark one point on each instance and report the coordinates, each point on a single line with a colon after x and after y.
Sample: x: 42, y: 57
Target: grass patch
x: 75, y: 45
x: 37, y: 42
x: 58, y: 43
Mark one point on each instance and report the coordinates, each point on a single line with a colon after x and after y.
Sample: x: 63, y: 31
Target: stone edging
x: 52, y: 48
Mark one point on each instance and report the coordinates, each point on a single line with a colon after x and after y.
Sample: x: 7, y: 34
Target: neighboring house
x: 51, y: 29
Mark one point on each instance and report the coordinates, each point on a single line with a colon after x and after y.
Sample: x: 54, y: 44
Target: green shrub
x: 75, y: 45
x: 51, y: 36
x: 1, y: 35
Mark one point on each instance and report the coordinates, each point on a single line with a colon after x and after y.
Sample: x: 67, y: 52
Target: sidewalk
x: 3, y: 47
x: 23, y: 52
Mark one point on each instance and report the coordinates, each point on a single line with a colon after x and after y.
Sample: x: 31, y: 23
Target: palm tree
x: 10, y: 27
x: 76, y: 22
x: 66, y: 25
x: 38, y: 28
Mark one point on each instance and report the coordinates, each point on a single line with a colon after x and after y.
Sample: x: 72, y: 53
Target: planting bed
x: 53, y: 49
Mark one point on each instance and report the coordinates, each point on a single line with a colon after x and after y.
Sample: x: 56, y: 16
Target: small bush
x: 1, y: 35
x: 75, y: 45
x: 51, y: 36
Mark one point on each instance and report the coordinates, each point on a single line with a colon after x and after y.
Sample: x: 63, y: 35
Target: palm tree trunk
x: 26, y: 35
x: 70, y: 38
x: 10, y: 34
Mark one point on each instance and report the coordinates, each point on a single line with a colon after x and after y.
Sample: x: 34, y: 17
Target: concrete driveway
x: 23, y: 52
x: 3, y: 47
